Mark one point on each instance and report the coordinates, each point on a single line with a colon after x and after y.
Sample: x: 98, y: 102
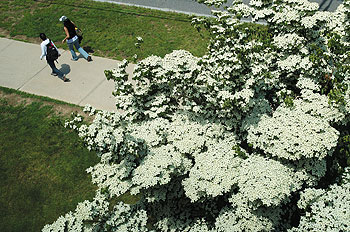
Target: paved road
x: 193, y: 7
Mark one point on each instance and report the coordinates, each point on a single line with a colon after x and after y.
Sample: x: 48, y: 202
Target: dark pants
x: 54, y: 69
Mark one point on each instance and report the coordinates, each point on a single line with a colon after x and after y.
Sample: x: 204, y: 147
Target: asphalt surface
x: 193, y: 7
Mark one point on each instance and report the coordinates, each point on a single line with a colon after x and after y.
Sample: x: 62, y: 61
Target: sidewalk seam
x: 19, y: 88
x: 91, y: 91
x: 7, y: 46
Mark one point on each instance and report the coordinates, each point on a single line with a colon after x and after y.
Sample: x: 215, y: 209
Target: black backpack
x: 51, y: 52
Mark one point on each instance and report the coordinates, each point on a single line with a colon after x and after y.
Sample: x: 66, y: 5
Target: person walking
x: 72, y: 39
x: 51, y: 61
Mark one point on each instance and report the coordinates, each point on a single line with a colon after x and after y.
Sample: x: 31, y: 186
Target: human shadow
x: 88, y: 49
x: 65, y: 68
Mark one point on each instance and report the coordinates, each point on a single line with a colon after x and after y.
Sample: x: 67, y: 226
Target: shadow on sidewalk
x: 65, y: 68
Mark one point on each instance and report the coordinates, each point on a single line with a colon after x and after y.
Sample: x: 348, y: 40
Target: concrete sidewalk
x: 22, y: 69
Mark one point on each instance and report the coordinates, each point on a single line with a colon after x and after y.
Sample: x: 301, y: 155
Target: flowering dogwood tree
x: 250, y: 137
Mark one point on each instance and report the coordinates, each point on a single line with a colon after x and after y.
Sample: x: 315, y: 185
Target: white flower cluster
x: 293, y: 134
x: 240, y: 8
x: 318, y: 106
x: 216, y: 3
x: 119, y: 72
x: 95, y: 216
x: 303, y: 5
x: 157, y: 169
x: 287, y: 15
x: 294, y: 62
x: 308, y: 84
x: 102, y: 135
x: 139, y: 41
x: 256, y: 3
x: 166, y: 160
x: 309, y: 196
x: 72, y: 124
x: 214, y: 171
x: 127, y: 218
x: 266, y: 181
x: 328, y: 210
x: 288, y: 41
x: 160, y: 85
x: 240, y: 216
x: 112, y: 177
x: 88, y: 216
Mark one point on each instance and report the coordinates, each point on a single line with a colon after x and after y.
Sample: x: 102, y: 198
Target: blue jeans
x: 80, y: 49
x: 54, y: 69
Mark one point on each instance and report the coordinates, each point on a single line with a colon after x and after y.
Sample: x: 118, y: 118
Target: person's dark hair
x: 42, y: 36
x: 70, y: 27
x: 68, y: 24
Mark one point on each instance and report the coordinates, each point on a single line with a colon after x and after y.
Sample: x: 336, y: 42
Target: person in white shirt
x: 55, y: 71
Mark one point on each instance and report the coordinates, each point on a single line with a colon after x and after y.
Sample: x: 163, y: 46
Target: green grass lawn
x: 42, y: 167
x: 109, y: 29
